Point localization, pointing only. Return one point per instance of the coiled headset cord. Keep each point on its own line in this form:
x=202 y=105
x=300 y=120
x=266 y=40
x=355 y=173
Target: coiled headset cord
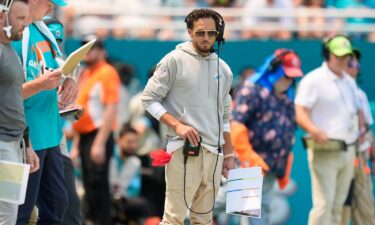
x=219 y=149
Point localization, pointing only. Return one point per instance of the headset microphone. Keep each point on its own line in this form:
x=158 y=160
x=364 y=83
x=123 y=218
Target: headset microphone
x=8 y=27
x=4 y=7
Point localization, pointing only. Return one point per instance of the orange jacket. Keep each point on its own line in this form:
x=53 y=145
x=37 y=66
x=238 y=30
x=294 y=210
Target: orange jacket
x=248 y=157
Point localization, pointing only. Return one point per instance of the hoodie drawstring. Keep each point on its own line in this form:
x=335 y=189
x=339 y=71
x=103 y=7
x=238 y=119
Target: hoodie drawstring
x=209 y=78
x=200 y=77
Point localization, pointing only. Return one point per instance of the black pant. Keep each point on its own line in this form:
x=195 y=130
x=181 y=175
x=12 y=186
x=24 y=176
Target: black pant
x=95 y=181
x=72 y=214
x=130 y=209
x=46 y=189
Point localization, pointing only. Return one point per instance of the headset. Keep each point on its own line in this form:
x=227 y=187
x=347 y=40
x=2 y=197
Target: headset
x=220 y=26
x=4 y=7
x=219 y=22
x=325 y=49
x=278 y=60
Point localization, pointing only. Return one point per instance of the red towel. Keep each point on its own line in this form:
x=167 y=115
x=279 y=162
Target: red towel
x=160 y=157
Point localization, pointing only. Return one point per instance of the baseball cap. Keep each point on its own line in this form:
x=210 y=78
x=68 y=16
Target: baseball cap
x=59 y=2
x=56 y=28
x=290 y=62
x=340 y=46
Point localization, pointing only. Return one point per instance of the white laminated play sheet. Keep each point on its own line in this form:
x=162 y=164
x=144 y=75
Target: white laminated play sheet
x=13 y=181
x=75 y=57
x=244 y=192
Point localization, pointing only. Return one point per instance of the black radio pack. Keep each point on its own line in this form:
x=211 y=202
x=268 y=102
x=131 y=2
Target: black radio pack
x=190 y=150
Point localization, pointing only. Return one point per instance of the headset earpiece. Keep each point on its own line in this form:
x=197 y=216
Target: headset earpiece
x=220 y=26
x=274 y=64
x=5 y=9
x=277 y=61
x=8 y=27
x=325 y=50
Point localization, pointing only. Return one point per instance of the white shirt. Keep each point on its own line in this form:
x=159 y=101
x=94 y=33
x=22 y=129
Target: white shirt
x=333 y=102
x=365 y=106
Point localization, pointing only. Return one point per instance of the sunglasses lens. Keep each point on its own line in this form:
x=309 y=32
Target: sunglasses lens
x=200 y=33
x=353 y=64
x=212 y=33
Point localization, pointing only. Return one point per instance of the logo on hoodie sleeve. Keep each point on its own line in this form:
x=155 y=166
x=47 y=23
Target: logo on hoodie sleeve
x=162 y=71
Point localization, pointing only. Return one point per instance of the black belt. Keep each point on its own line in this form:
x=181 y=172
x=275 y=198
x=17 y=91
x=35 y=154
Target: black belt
x=26 y=138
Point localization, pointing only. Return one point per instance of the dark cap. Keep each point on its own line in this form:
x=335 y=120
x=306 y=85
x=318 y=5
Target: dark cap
x=98 y=43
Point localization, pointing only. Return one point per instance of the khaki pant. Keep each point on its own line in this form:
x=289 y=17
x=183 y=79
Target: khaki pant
x=9 y=151
x=361 y=211
x=331 y=174
x=198 y=190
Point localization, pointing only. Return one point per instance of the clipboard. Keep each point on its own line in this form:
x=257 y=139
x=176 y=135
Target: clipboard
x=75 y=57
x=71 y=114
x=13 y=181
x=333 y=145
x=244 y=192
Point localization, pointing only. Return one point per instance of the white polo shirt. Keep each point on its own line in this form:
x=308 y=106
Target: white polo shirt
x=365 y=106
x=333 y=102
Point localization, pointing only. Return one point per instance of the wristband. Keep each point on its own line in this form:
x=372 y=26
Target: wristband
x=228 y=155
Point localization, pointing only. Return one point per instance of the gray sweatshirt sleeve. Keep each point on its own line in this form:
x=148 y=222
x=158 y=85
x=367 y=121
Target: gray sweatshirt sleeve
x=227 y=101
x=227 y=112
x=158 y=86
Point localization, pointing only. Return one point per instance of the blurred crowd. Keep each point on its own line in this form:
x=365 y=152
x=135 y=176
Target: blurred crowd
x=126 y=19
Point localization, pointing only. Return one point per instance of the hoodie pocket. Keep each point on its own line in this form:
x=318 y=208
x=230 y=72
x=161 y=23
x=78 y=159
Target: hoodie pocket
x=204 y=120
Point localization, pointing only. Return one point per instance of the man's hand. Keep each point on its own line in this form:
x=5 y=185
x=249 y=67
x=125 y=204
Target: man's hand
x=32 y=159
x=68 y=91
x=319 y=136
x=50 y=79
x=190 y=133
x=97 y=153
x=74 y=155
x=228 y=164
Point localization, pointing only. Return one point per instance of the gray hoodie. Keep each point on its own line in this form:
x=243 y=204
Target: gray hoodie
x=185 y=84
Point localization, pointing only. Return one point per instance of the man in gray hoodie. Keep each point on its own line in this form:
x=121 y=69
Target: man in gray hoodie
x=190 y=94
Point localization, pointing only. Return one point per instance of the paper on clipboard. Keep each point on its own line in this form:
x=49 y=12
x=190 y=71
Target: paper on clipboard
x=75 y=57
x=244 y=192
x=13 y=181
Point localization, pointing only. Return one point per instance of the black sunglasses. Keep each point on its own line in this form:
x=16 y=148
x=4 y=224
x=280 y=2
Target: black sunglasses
x=210 y=33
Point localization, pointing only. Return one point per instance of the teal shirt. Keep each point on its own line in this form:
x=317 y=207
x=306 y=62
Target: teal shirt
x=41 y=110
x=134 y=188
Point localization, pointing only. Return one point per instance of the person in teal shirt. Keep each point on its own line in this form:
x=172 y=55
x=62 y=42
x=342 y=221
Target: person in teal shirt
x=43 y=82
